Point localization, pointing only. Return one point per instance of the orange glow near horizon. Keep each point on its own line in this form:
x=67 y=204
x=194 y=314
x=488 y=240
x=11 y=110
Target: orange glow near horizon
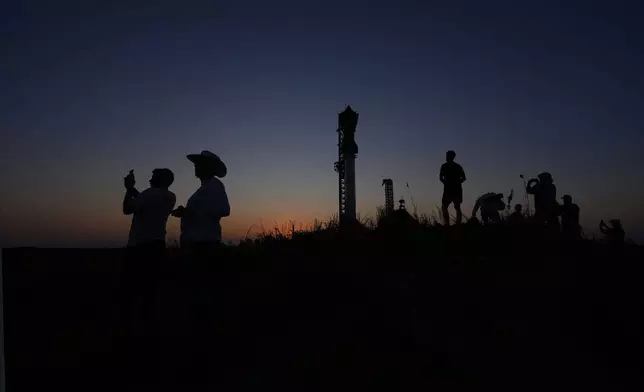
x=59 y=229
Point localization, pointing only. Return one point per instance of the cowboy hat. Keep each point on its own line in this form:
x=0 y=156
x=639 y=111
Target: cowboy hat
x=207 y=157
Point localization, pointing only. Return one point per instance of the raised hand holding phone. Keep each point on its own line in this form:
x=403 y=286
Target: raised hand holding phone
x=129 y=180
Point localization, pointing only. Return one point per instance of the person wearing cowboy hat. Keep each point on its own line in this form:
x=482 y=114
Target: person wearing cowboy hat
x=200 y=218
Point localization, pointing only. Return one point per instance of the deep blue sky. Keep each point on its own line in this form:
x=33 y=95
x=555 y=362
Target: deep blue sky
x=90 y=91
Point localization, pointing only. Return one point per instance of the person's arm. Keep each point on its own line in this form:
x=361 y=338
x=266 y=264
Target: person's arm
x=221 y=206
x=441 y=174
x=477 y=205
x=217 y=205
x=603 y=227
x=129 y=201
x=530 y=188
x=225 y=205
x=463 y=178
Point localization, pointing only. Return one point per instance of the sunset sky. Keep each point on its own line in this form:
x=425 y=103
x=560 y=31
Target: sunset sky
x=88 y=92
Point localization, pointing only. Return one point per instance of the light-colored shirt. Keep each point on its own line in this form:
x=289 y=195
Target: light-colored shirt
x=204 y=209
x=151 y=209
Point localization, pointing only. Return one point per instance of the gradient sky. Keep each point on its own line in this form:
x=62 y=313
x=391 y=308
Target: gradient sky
x=91 y=89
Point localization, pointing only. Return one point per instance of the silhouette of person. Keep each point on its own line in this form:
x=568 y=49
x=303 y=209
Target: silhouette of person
x=615 y=234
x=570 y=227
x=452 y=176
x=200 y=218
x=150 y=209
x=545 y=199
x=516 y=217
x=139 y=279
x=490 y=205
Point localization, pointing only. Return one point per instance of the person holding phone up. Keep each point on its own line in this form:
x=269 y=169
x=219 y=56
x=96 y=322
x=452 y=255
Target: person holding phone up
x=150 y=209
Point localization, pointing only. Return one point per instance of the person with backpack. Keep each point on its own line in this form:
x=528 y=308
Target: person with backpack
x=490 y=205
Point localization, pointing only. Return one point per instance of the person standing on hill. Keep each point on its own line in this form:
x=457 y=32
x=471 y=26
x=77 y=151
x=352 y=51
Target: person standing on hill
x=570 y=227
x=140 y=272
x=150 y=209
x=200 y=236
x=452 y=176
x=545 y=199
x=200 y=218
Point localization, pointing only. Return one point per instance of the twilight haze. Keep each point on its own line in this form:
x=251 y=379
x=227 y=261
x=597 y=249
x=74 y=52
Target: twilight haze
x=90 y=91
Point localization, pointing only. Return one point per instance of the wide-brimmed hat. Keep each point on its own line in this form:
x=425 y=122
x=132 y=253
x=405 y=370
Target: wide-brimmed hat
x=207 y=157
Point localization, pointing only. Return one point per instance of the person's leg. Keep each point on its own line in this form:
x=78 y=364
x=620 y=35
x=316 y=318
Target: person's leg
x=130 y=288
x=459 y=213
x=537 y=218
x=458 y=199
x=128 y=292
x=200 y=312
x=553 y=222
x=149 y=282
x=446 y=200
x=146 y=263
x=132 y=296
x=567 y=232
x=445 y=214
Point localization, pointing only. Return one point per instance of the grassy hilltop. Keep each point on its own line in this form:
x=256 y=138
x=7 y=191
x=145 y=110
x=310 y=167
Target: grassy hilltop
x=402 y=306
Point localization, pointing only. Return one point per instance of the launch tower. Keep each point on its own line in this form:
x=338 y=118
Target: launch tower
x=389 y=195
x=346 y=166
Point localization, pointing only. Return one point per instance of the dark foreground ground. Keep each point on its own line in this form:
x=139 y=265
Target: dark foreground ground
x=446 y=313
